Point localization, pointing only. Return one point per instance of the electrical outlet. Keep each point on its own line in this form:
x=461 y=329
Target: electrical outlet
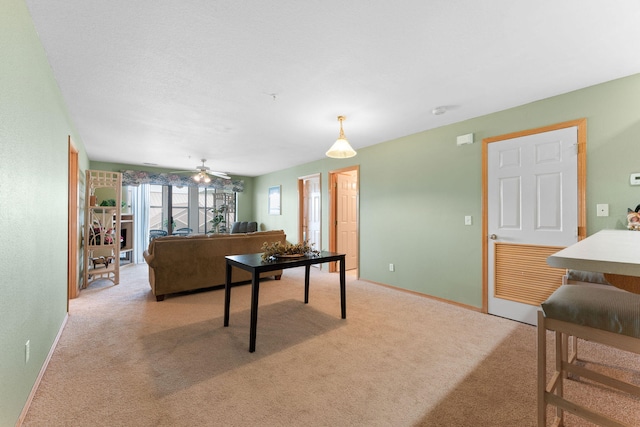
x=392 y=267
x=602 y=209
x=27 y=351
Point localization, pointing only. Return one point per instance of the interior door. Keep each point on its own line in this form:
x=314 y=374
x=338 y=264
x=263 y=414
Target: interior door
x=312 y=216
x=347 y=217
x=532 y=211
x=72 y=231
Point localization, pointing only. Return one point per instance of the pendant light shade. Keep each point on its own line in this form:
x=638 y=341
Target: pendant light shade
x=341 y=149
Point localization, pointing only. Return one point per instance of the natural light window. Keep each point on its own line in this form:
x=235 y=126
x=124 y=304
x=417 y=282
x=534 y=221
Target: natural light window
x=190 y=208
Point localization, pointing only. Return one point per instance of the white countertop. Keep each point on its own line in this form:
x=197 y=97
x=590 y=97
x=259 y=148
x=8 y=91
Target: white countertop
x=607 y=251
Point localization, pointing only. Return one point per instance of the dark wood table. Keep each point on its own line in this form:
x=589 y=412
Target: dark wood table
x=253 y=263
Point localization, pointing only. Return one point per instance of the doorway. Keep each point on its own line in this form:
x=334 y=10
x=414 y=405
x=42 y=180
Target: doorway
x=533 y=205
x=72 y=231
x=344 y=213
x=310 y=221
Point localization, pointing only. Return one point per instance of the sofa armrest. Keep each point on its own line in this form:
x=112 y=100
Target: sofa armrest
x=149 y=258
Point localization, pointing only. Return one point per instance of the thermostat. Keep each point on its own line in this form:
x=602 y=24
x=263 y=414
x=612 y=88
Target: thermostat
x=464 y=139
x=634 y=179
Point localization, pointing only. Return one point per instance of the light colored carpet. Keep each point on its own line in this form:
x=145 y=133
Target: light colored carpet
x=397 y=360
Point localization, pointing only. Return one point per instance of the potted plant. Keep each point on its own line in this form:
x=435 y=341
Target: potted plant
x=92 y=196
x=108 y=202
x=165 y=224
x=218 y=218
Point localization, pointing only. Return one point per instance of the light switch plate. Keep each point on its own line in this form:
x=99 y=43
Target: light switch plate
x=468 y=220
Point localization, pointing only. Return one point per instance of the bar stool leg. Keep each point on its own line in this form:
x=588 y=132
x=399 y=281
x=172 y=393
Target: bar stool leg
x=542 y=370
x=560 y=355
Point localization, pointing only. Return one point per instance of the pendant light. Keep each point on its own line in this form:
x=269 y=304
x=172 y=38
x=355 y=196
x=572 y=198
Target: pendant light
x=341 y=149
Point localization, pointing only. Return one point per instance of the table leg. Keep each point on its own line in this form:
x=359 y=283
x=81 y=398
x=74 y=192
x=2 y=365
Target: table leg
x=255 y=289
x=227 y=294
x=307 y=269
x=343 y=290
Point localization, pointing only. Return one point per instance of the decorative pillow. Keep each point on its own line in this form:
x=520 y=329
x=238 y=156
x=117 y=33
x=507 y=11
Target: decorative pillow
x=587 y=276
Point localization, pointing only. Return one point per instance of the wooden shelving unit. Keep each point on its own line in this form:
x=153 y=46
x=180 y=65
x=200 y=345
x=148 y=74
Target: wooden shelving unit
x=127 y=236
x=102 y=234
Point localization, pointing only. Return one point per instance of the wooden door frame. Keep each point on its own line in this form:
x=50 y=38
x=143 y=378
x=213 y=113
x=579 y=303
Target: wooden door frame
x=72 y=227
x=581 y=124
x=301 y=180
x=333 y=206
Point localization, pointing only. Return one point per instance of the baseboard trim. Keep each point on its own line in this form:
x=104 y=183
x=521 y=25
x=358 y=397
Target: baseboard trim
x=420 y=294
x=25 y=409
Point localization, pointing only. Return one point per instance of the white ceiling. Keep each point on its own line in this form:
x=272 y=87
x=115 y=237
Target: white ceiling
x=256 y=86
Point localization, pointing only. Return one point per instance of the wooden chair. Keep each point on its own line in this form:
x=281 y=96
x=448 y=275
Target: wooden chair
x=601 y=314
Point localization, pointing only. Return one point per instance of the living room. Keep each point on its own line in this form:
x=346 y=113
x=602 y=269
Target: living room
x=424 y=181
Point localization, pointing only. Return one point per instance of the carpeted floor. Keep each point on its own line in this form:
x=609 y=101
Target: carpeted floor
x=397 y=360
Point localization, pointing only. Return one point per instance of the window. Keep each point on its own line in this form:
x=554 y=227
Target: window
x=209 y=199
x=157 y=216
x=179 y=207
x=183 y=208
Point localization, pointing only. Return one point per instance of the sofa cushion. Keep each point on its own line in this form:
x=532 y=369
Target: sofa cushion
x=244 y=227
x=605 y=308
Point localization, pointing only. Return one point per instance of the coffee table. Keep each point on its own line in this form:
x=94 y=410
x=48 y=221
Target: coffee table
x=253 y=264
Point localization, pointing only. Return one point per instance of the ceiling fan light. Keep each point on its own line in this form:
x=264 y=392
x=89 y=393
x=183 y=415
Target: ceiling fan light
x=203 y=174
x=341 y=149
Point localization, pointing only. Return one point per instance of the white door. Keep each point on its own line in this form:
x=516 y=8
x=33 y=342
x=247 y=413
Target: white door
x=347 y=217
x=532 y=210
x=312 y=212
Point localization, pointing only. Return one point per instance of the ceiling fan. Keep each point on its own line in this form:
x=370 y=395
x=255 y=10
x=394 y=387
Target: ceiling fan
x=202 y=173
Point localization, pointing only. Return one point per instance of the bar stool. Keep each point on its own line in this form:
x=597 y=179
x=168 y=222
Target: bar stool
x=607 y=316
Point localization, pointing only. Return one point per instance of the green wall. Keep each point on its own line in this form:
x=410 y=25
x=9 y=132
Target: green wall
x=416 y=190
x=34 y=130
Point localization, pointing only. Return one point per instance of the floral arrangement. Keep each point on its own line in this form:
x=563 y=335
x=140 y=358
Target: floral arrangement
x=273 y=250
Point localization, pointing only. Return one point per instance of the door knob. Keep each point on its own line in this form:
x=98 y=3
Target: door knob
x=493 y=237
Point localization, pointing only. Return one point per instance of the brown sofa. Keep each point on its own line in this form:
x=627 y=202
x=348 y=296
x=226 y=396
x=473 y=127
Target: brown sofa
x=185 y=263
